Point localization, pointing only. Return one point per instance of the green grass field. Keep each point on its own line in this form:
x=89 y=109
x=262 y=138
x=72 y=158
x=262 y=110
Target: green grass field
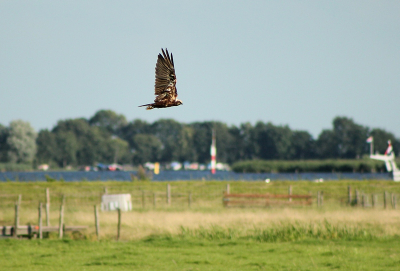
x=177 y=254
x=205 y=236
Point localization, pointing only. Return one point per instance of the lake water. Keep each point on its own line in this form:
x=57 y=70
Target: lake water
x=185 y=175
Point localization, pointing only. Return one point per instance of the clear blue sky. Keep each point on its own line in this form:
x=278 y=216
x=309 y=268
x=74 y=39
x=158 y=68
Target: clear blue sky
x=299 y=63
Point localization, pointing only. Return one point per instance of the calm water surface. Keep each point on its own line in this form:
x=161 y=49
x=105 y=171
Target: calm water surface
x=185 y=175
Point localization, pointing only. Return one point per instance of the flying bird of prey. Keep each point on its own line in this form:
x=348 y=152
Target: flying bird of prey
x=165 y=86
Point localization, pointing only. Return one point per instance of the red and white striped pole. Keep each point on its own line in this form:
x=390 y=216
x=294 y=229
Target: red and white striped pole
x=213 y=153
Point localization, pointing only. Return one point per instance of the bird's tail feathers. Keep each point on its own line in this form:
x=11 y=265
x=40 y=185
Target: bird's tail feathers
x=149 y=106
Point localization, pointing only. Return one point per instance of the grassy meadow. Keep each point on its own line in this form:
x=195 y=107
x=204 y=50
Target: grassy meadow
x=205 y=236
x=177 y=254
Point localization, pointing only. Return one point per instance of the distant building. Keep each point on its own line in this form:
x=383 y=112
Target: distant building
x=43 y=167
x=219 y=166
x=149 y=166
x=176 y=165
x=112 y=167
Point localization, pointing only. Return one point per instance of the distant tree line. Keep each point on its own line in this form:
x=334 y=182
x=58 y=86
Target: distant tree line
x=108 y=137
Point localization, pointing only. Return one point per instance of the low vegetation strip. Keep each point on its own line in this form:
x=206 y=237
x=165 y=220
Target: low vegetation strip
x=15 y=167
x=282 y=166
x=284 y=232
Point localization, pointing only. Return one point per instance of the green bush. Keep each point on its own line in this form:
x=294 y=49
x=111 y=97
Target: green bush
x=141 y=175
x=49 y=179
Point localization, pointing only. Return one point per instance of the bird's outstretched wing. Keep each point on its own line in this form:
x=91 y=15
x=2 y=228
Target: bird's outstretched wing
x=165 y=85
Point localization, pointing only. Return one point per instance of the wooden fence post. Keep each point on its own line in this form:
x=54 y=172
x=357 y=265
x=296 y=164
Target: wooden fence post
x=393 y=201
x=349 y=195
x=363 y=203
x=373 y=200
x=190 y=199
x=357 y=198
x=322 y=198
x=119 y=224
x=19 y=199
x=40 y=224
x=228 y=188
x=290 y=192
x=384 y=200
x=61 y=222
x=16 y=220
x=143 y=199
x=168 y=194
x=47 y=206
x=97 y=223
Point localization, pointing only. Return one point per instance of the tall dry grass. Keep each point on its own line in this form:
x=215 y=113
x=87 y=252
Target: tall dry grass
x=206 y=213
x=141 y=224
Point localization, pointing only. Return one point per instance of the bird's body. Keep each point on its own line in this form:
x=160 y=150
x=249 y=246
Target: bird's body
x=165 y=85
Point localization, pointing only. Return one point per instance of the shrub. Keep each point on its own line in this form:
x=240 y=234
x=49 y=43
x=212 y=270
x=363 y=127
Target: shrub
x=15 y=167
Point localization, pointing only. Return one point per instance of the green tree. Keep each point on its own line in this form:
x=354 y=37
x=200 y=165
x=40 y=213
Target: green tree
x=202 y=134
x=92 y=146
x=169 y=132
x=350 y=137
x=273 y=142
x=67 y=147
x=118 y=151
x=248 y=137
x=109 y=121
x=21 y=142
x=303 y=145
x=147 y=148
x=186 y=151
x=326 y=145
x=46 y=147
x=133 y=128
x=79 y=127
x=89 y=144
x=346 y=140
x=3 y=143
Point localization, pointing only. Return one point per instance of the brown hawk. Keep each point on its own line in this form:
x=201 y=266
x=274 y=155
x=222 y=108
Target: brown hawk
x=165 y=86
